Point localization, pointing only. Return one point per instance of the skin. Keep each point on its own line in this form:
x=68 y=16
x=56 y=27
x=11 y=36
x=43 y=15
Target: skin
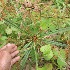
x=8 y=56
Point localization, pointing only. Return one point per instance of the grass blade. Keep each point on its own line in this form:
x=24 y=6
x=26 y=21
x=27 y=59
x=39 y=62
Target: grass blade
x=23 y=61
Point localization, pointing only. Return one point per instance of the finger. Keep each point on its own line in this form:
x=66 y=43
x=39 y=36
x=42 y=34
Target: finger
x=4 y=47
x=15 y=60
x=11 y=47
x=14 y=49
x=14 y=54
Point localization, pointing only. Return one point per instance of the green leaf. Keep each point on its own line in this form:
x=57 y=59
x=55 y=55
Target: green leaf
x=55 y=52
x=58 y=31
x=64 y=25
x=27 y=45
x=62 y=53
x=13 y=28
x=3 y=38
x=14 y=20
x=1 y=22
x=33 y=29
x=8 y=30
x=61 y=58
x=52 y=27
x=49 y=66
x=47 y=52
x=32 y=54
x=23 y=61
x=61 y=61
x=44 y=23
x=45 y=49
x=68 y=21
x=48 y=56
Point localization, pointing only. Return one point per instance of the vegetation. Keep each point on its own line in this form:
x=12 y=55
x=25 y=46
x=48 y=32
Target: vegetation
x=40 y=29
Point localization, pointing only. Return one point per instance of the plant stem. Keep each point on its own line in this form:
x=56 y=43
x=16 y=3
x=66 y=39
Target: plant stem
x=35 y=56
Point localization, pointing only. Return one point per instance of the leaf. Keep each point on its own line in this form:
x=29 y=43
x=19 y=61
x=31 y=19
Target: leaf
x=3 y=38
x=45 y=49
x=13 y=28
x=14 y=20
x=1 y=22
x=47 y=52
x=3 y=41
x=55 y=52
x=68 y=21
x=62 y=53
x=61 y=61
x=64 y=25
x=10 y=23
x=58 y=31
x=27 y=45
x=48 y=56
x=61 y=58
x=44 y=23
x=23 y=61
x=49 y=66
x=8 y=30
x=32 y=54
x=33 y=29
x=55 y=43
x=52 y=27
